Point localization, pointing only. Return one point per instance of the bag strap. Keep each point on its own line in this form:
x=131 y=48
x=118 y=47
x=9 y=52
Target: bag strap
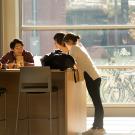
x=76 y=75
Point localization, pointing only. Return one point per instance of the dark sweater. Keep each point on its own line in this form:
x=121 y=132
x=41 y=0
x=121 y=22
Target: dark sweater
x=10 y=57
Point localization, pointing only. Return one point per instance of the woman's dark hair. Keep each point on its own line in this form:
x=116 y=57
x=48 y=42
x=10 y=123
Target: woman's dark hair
x=14 y=42
x=58 y=37
x=71 y=37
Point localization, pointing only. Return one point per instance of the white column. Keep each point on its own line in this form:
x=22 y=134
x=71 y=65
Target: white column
x=10 y=22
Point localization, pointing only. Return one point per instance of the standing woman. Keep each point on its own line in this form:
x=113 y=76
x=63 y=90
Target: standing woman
x=92 y=79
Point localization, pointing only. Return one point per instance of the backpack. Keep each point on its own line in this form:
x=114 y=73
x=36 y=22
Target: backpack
x=58 y=60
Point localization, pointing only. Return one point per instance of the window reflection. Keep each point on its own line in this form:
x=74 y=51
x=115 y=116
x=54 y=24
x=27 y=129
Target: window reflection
x=72 y=12
x=102 y=45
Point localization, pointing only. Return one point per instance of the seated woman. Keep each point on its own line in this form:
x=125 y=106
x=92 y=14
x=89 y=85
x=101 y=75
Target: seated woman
x=17 y=56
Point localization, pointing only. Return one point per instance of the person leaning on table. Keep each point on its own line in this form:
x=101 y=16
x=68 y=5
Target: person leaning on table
x=17 y=56
x=92 y=79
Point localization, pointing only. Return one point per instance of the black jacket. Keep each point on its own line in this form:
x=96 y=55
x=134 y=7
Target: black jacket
x=58 y=60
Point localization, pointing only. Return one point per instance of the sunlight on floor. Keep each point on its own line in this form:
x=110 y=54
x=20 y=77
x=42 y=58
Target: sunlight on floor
x=122 y=125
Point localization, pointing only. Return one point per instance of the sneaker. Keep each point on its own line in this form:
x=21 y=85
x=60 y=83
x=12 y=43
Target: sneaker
x=79 y=133
x=98 y=131
x=94 y=131
x=88 y=132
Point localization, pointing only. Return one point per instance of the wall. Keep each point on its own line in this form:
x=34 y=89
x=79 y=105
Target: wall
x=0 y=28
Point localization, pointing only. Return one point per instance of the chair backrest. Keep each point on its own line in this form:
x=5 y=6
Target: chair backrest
x=35 y=79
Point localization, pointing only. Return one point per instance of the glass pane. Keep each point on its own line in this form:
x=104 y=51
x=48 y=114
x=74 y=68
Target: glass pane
x=38 y=42
x=42 y=12
x=106 y=47
x=72 y=12
x=117 y=85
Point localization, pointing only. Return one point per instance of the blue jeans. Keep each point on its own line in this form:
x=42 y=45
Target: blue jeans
x=93 y=87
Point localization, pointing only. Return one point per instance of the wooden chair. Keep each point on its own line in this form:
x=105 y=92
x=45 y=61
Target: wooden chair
x=35 y=80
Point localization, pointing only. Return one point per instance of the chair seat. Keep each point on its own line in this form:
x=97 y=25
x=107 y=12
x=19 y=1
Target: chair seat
x=2 y=90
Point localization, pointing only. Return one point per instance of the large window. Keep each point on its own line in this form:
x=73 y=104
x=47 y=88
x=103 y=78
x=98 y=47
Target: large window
x=94 y=20
x=107 y=30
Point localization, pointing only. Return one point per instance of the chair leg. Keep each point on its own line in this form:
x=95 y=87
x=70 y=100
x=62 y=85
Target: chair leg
x=17 y=113
x=3 y=92
x=5 y=110
x=28 y=112
x=50 y=119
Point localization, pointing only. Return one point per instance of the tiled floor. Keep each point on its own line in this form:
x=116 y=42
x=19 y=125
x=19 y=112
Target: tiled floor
x=116 y=125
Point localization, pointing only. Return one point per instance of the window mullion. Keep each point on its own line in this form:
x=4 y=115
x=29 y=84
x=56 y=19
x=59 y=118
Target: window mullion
x=76 y=27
